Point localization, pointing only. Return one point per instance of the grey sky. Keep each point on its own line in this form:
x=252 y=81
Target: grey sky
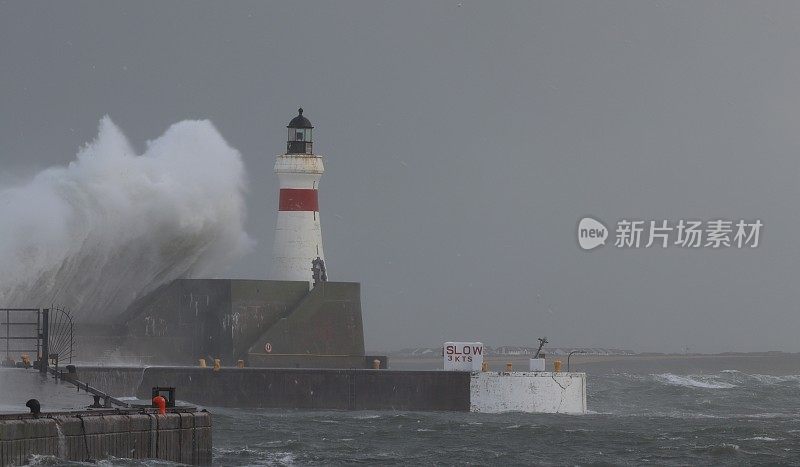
x=463 y=143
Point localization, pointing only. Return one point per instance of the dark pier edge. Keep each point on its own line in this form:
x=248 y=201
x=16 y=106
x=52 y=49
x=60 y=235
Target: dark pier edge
x=295 y=388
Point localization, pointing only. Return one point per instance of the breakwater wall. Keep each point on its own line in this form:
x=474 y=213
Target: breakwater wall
x=182 y=436
x=341 y=389
x=352 y=389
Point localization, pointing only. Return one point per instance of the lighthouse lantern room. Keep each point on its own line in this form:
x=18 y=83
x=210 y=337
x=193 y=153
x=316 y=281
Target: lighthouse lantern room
x=300 y=140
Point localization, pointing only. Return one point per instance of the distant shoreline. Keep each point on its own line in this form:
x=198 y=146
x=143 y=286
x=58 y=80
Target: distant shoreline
x=779 y=363
x=399 y=355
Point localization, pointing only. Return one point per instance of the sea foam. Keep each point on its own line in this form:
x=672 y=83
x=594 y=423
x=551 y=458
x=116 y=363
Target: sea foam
x=692 y=381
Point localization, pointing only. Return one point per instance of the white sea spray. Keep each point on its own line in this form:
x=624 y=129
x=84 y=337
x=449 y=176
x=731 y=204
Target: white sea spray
x=114 y=225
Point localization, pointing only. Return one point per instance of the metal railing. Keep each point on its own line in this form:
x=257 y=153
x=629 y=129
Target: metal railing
x=42 y=333
x=23 y=331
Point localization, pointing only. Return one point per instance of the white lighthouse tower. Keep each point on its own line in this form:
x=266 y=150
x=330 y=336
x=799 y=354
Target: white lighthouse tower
x=298 y=234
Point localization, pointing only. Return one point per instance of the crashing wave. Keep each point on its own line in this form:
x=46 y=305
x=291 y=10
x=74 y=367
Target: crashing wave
x=114 y=225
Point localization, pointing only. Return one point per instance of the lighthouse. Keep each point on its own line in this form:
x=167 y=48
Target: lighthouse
x=297 y=251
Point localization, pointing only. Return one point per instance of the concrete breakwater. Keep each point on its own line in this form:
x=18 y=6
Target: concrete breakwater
x=351 y=389
x=342 y=389
x=182 y=436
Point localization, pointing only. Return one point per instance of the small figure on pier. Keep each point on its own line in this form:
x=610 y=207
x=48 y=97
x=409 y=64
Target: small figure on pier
x=35 y=407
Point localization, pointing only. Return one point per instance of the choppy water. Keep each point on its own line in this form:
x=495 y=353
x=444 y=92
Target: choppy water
x=664 y=418
x=724 y=416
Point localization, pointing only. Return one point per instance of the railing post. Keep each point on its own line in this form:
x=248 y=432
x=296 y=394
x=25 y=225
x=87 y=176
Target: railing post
x=45 y=338
x=8 y=334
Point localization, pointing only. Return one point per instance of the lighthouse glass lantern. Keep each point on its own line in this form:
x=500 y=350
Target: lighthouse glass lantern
x=300 y=140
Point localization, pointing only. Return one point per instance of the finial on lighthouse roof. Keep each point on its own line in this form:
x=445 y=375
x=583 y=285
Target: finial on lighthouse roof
x=299 y=121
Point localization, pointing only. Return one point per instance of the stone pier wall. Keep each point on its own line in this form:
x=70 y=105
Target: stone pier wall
x=349 y=389
x=299 y=388
x=183 y=437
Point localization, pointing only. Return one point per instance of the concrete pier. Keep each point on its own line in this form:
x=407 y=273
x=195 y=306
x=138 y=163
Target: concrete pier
x=182 y=436
x=350 y=389
x=533 y=392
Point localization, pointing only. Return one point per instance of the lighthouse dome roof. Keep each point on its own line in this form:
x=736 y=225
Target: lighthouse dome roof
x=299 y=121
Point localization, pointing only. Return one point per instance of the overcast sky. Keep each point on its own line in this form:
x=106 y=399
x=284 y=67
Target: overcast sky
x=463 y=141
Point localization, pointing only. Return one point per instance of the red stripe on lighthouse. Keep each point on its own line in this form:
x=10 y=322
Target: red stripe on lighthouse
x=294 y=199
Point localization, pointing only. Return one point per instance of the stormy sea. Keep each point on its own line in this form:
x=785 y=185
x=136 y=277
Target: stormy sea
x=665 y=411
x=662 y=418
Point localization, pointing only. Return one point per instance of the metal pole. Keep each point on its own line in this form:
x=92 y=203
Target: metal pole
x=45 y=337
x=38 y=332
x=570 y=356
x=8 y=334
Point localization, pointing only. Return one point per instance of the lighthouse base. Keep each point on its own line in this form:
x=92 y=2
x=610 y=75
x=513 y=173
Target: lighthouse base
x=261 y=323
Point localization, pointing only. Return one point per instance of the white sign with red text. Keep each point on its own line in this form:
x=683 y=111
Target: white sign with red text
x=463 y=356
